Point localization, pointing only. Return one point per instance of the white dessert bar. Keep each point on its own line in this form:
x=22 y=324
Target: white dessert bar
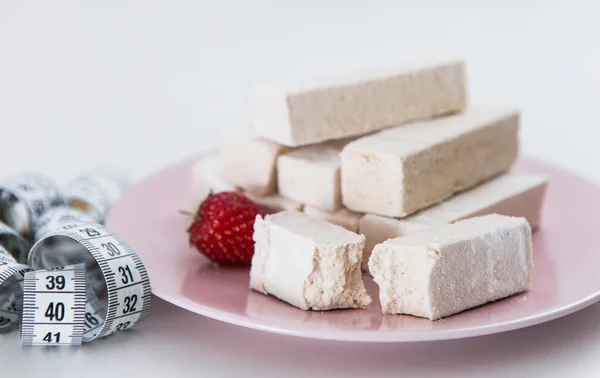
x=440 y=272
x=206 y=178
x=342 y=217
x=358 y=104
x=311 y=175
x=399 y=171
x=514 y=194
x=309 y=263
x=250 y=163
x=275 y=203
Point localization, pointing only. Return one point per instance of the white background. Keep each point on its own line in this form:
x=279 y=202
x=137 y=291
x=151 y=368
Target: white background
x=142 y=84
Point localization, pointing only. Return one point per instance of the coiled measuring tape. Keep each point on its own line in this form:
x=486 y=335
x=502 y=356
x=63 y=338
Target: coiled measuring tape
x=24 y=198
x=96 y=191
x=55 y=218
x=11 y=290
x=13 y=244
x=118 y=287
x=82 y=282
x=13 y=248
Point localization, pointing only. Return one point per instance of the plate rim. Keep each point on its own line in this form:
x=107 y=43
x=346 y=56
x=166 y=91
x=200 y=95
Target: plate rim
x=388 y=336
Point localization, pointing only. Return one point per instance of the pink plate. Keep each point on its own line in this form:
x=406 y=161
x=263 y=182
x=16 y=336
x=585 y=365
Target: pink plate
x=565 y=276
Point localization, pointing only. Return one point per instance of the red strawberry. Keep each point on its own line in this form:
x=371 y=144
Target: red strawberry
x=223 y=226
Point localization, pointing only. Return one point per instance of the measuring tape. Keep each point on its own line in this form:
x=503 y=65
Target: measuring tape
x=54 y=304
x=11 y=242
x=5 y=255
x=81 y=281
x=95 y=192
x=11 y=277
x=11 y=290
x=55 y=218
x=24 y=198
x=118 y=288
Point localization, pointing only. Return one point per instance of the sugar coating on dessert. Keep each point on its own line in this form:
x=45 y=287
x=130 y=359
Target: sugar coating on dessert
x=342 y=217
x=311 y=175
x=514 y=194
x=439 y=272
x=358 y=104
x=309 y=263
x=250 y=163
x=399 y=171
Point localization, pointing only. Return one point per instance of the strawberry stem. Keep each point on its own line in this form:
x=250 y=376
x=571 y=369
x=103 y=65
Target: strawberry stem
x=195 y=218
x=188 y=213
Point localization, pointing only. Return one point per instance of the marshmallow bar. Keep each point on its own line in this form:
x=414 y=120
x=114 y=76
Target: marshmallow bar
x=275 y=203
x=249 y=163
x=342 y=217
x=440 y=272
x=514 y=194
x=399 y=171
x=358 y=104
x=309 y=263
x=206 y=178
x=311 y=175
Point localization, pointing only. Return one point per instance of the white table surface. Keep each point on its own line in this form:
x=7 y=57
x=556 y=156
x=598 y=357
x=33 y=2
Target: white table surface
x=151 y=82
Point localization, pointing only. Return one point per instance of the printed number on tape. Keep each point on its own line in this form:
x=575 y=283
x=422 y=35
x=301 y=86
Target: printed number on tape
x=54 y=303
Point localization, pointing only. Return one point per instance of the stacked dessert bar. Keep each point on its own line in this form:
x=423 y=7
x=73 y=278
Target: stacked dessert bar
x=386 y=155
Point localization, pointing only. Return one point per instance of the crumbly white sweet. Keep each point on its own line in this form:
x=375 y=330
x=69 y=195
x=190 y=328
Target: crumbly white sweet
x=514 y=194
x=442 y=271
x=309 y=263
x=311 y=175
x=358 y=104
x=401 y=170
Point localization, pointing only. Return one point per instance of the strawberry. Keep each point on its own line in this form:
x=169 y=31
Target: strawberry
x=223 y=226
